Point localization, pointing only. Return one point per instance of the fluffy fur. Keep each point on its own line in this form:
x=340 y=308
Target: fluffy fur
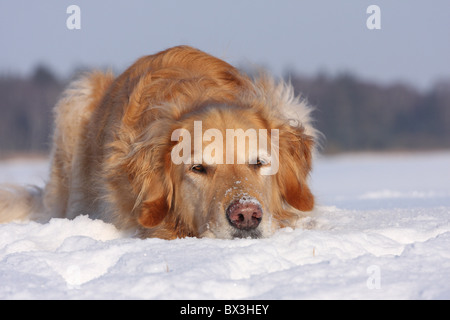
x=112 y=146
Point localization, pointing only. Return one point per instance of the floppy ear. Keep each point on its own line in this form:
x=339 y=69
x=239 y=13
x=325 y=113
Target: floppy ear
x=145 y=183
x=154 y=210
x=297 y=194
x=295 y=165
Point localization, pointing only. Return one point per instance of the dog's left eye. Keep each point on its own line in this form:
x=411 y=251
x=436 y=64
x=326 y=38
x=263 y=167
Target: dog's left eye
x=260 y=162
x=198 y=168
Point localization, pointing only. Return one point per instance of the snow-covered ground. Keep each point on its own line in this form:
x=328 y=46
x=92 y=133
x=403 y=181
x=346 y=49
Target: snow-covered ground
x=382 y=231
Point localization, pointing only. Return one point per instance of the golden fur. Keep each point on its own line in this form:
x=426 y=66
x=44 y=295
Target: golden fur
x=112 y=146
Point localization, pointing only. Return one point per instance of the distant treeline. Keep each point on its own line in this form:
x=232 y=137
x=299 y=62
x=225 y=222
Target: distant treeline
x=357 y=115
x=353 y=115
x=26 y=111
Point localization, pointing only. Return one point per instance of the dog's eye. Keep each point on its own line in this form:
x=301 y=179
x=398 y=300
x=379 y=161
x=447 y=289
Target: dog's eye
x=198 y=168
x=260 y=162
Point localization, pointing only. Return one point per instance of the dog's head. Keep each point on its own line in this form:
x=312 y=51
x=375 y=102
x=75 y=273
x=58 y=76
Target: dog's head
x=214 y=157
x=227 y=172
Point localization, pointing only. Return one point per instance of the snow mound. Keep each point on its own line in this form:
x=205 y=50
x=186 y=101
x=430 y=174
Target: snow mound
x=363 y=246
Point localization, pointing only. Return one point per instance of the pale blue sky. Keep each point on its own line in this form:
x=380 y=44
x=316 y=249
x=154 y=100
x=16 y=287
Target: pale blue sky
x=413 y=44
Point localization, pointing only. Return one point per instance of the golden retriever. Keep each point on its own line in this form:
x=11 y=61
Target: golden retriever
x=116 y=140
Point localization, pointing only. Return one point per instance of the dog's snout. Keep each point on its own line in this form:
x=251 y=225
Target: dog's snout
x=244 y=215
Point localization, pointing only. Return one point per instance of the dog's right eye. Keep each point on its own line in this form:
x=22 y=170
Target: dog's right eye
x=198 y=168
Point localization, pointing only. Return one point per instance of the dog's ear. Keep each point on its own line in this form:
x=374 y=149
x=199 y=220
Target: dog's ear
x=147 y=166
x=297 y=194
x=295 y=164
x=153 y=212
x=155 y=208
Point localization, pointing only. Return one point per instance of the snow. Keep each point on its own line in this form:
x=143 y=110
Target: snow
x=381 y=231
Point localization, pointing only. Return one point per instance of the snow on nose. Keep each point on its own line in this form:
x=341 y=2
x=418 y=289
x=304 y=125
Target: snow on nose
x=244 y=214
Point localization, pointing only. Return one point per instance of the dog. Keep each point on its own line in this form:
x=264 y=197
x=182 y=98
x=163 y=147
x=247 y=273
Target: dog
x=151 y=152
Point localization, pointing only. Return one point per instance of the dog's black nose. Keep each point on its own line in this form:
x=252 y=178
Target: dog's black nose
x=244 y=215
